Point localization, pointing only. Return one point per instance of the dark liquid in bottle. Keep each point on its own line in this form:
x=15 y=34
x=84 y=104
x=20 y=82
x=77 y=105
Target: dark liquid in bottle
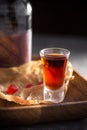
x=15 y=49
x=54 y=67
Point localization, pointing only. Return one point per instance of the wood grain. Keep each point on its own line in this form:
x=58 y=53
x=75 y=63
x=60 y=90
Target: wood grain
x=73 y=107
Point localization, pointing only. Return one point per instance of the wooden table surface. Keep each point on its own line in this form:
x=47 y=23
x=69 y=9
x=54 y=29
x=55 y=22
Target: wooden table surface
x=78 y=48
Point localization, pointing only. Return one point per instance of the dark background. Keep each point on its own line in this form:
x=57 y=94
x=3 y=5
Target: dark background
x=59 y=17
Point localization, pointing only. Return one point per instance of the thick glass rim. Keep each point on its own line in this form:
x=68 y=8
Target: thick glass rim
x=43 y=51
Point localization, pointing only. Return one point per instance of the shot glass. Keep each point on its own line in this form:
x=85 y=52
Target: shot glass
x=54 y=62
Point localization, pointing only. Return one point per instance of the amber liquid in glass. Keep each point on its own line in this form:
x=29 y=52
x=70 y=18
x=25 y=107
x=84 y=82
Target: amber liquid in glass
x=54 y=66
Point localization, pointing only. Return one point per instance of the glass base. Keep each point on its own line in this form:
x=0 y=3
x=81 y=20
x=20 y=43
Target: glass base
x=55 y=96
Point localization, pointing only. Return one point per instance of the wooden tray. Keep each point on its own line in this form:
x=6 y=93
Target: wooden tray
x=73 y=107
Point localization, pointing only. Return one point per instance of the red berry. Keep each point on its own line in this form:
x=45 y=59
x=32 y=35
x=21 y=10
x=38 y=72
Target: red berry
x=40 y=83
x=29 y=85
x=12 y=89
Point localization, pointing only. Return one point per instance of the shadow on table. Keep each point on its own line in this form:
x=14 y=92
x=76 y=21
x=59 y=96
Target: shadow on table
x=80 y=124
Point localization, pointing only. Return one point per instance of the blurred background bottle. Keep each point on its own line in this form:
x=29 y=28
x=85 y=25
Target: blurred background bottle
x=15 y=32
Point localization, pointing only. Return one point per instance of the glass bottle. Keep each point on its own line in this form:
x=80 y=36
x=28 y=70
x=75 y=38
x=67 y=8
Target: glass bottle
x=15 y=32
